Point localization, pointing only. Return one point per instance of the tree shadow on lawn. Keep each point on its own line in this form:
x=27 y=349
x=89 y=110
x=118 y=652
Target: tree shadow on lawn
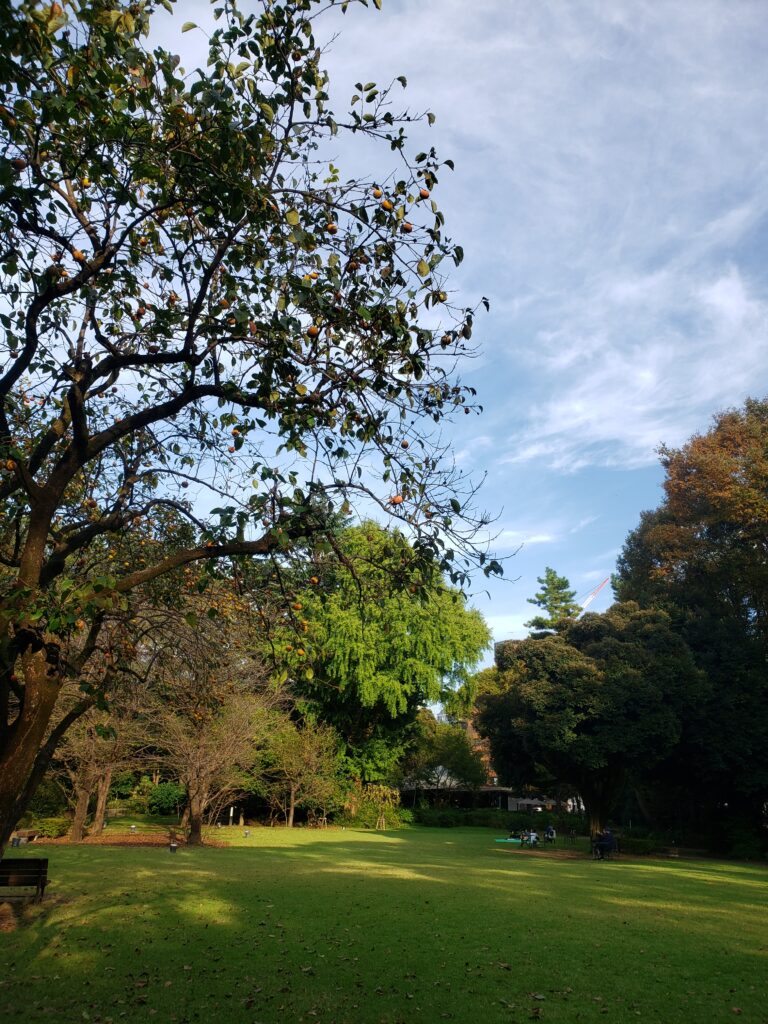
x=381 y=929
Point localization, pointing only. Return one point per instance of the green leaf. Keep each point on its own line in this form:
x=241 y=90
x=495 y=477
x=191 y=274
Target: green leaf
x=188 y=26
x=455 y=506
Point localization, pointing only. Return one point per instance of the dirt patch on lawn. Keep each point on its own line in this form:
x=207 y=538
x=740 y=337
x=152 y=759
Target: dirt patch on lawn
x=124 y=839
x=7 y=917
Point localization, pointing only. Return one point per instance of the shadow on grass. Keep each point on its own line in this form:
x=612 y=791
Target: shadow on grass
x=359 y=927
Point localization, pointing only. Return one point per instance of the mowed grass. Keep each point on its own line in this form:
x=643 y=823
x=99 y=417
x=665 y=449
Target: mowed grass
x=414 y=926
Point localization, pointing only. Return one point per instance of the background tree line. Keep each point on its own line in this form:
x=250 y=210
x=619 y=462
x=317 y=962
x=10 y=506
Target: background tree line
x=217 y=699
x=658 y=707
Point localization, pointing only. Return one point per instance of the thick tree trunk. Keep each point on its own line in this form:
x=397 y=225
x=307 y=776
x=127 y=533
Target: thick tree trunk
x=81 y=813
x=102 y=796
x=600 y=795
x=42 y=761
x=291 y=807
x=24 y=740
x=195 y=821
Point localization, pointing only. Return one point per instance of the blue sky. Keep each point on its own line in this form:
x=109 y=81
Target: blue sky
x=611 y=195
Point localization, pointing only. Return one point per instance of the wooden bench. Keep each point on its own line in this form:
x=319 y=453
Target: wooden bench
x=25 y=871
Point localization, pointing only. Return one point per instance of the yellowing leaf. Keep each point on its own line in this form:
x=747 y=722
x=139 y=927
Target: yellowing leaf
x=422 y=268
x=292 y=217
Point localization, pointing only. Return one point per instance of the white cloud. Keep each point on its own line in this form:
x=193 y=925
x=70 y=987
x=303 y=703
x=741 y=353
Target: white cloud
x=610 y=176
x=610 y=186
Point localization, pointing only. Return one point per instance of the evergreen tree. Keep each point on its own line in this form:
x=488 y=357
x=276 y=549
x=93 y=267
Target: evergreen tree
x=556 y=599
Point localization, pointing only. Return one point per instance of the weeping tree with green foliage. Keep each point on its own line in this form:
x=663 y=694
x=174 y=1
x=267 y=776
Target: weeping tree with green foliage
x=375 y=652
x=195 y=299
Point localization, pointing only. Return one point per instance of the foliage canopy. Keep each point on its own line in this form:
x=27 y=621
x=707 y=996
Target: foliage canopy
x=194 y=297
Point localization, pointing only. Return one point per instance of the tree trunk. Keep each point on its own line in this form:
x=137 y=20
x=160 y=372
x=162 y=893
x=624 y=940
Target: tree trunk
x=81 y=813
x=195 y=821
x=24 y=740
x=600 y=795
x=291 y=807
x=102 y=796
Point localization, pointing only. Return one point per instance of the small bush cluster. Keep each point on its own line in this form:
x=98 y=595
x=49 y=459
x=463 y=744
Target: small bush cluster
x=367 y=814
x=52 y=828
x=165 y=798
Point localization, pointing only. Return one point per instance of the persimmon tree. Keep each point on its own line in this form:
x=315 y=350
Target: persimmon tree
x=198 y=305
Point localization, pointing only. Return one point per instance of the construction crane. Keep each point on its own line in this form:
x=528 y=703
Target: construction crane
x=591 y=596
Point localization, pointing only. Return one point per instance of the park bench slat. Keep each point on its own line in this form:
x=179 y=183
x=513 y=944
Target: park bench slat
x=25 y=871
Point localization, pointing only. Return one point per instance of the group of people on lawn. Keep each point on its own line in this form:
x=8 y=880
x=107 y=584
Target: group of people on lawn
x=530 y=837
x=603 y=843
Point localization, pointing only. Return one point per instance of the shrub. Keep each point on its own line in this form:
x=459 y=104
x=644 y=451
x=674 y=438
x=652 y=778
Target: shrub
x=122 y=786
x=165 y=798
x=440 y=817
x=492 y=817
x=52 y=828
x=634 y=844
x=365 y=815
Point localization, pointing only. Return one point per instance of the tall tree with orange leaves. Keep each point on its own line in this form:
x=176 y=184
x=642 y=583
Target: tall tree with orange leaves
x=703 y=555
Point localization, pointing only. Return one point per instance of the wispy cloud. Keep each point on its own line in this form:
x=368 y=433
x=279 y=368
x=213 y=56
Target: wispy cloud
x=611 y=174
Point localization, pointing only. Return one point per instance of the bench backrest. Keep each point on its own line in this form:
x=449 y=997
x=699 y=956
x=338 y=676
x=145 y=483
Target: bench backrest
x=23 y=870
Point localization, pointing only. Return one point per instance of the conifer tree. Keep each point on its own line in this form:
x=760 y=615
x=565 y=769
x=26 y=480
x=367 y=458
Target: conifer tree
x=557 y=600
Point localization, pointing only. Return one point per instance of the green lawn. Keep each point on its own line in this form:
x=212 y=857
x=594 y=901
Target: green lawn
x=351 y=927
